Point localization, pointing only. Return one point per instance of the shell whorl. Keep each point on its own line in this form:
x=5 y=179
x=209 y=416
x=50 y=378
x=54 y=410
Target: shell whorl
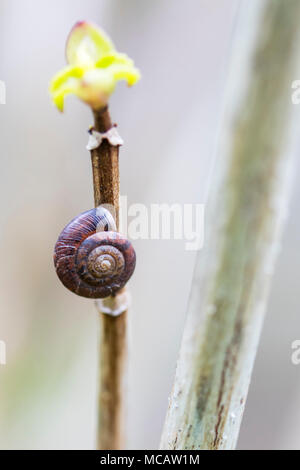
x=91 y=259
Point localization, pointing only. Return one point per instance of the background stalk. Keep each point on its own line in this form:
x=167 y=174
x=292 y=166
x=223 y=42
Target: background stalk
x=244 y=220
x=113 y=336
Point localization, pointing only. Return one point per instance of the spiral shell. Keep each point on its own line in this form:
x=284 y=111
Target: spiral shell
x=93 y=263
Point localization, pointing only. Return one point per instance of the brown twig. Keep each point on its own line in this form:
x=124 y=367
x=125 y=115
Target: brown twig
x=113 y=338
x=105 y=163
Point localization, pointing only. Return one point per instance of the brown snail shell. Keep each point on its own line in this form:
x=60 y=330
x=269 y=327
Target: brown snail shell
x=93 y=263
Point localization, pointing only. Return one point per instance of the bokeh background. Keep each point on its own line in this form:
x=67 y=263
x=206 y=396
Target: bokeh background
x=169 y=122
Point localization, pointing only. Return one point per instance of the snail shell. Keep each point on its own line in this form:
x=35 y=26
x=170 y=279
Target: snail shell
x=91 y=259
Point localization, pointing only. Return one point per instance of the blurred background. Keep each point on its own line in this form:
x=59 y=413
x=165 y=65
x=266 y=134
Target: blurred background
x=169 y=123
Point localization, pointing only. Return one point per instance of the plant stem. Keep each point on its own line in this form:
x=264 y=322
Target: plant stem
x=105 y=164
x=113 y=352
x=244 y=220
x=113 y=338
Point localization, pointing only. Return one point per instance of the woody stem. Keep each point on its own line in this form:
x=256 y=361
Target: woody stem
x=113 y=335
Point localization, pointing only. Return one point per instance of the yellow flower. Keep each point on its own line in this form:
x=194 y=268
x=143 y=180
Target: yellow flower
x=94 y=68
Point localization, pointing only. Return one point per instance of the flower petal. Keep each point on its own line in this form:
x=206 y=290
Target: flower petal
x=87 y=44
x=120 y=67
x=65 y=82
x=60 y=78
x=114 y=58
x=129 y=73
